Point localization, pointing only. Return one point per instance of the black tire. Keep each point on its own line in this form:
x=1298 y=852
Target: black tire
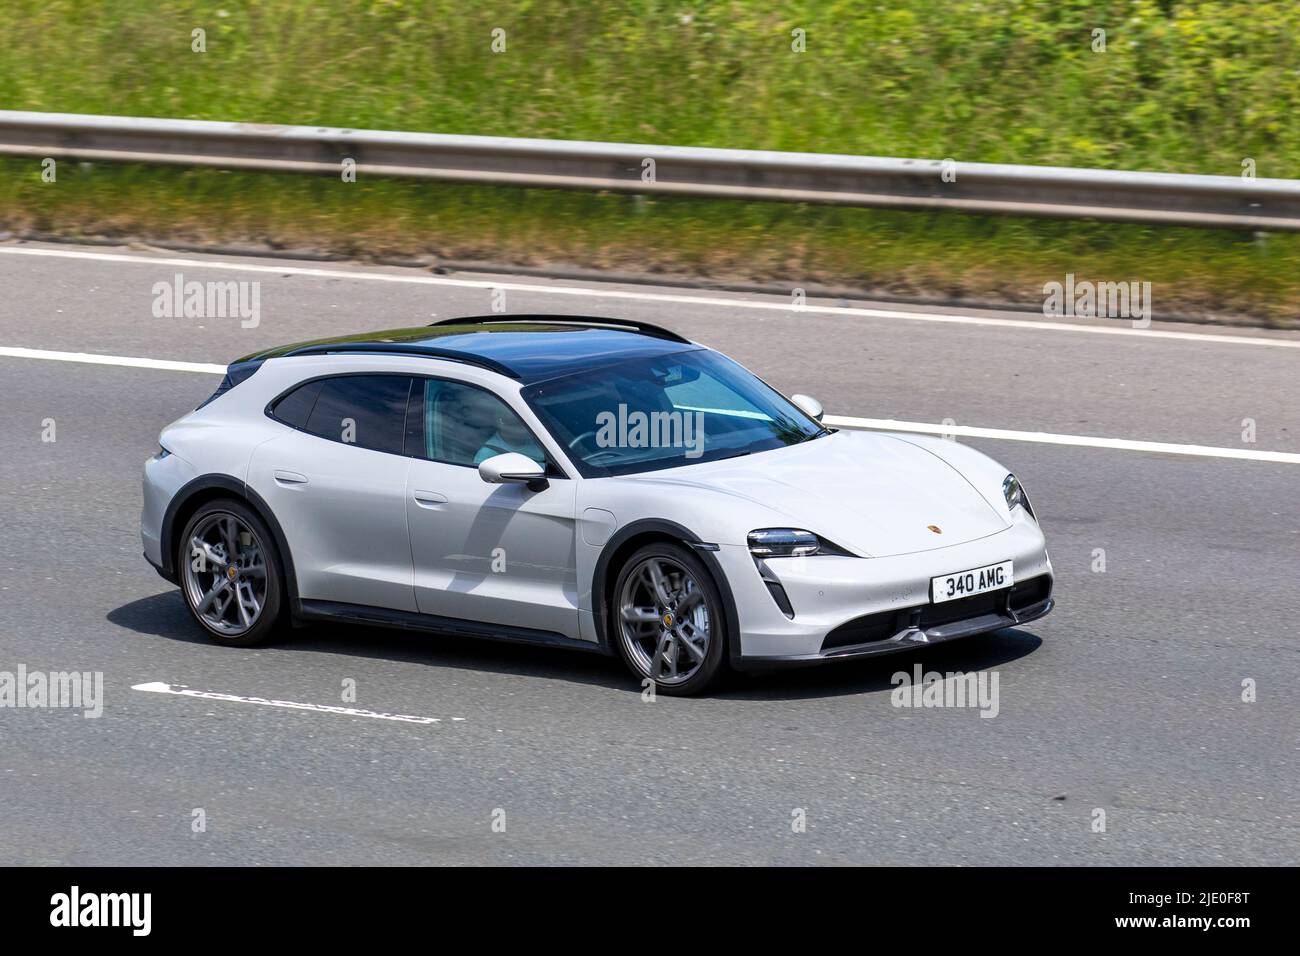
x=273 y=601
x=713 y=665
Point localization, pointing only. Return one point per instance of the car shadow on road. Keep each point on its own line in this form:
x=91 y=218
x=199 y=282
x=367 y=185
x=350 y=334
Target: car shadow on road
x=165 y=615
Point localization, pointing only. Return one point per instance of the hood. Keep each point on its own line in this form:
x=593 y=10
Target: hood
x=872 y=493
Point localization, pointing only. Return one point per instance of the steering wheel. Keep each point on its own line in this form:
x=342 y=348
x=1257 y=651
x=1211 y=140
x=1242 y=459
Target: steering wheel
x=590 y=433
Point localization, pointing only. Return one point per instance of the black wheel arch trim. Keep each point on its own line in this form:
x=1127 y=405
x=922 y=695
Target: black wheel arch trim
x=241 y=489
x=702 y=549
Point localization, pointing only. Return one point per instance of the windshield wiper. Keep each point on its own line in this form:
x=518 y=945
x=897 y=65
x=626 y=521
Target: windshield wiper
x=739 y=454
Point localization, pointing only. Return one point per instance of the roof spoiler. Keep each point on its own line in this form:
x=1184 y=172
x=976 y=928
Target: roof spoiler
x=630 y=325
x=236 y=372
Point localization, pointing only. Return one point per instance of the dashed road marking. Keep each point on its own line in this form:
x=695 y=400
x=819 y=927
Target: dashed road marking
x=159 y=687
x=1047 y=438
x=841 y=421
x=90 y=358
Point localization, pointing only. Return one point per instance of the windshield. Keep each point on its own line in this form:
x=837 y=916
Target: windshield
x=663 y=412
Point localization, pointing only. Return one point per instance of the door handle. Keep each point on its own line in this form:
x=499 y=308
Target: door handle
x=429 y=499
x=289 y=478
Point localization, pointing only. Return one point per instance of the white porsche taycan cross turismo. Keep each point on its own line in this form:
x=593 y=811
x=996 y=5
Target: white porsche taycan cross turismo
x=583 y=483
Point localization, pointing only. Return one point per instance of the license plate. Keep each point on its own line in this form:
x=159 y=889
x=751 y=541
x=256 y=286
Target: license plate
x=950 y=587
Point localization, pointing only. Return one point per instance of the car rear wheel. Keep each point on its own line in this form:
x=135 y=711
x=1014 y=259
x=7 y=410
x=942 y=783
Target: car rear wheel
x=230 y=573
x=667 y=619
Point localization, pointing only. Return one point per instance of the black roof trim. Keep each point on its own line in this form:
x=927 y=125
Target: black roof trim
x=630 y=325
x=401 y=348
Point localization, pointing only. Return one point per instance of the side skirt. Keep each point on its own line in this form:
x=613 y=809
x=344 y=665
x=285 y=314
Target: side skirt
x=433 y=624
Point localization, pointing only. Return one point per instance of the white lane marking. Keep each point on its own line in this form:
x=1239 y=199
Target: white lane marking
x=90 y=358
x=883 y=424
x=159 y=687
x=1046 y=438
x=678 y=299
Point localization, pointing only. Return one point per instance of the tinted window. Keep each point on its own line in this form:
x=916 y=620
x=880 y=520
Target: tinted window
x=463 y=425
x=366 y=410
x=294 y=408
x=664 y=412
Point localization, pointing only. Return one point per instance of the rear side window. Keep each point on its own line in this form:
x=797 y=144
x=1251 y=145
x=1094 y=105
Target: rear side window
x=364 y=410
x=294 y=408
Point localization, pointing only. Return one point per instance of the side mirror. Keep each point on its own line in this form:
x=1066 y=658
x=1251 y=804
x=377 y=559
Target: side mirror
x=809 y=406
x=513 y=467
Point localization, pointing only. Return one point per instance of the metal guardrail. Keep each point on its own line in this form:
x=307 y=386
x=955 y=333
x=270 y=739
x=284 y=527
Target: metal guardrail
x=908 y=184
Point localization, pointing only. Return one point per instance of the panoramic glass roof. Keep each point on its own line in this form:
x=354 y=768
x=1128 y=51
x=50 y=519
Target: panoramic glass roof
x=531 y=352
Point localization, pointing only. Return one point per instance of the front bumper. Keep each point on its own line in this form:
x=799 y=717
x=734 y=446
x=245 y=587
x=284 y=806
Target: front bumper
x=850 y=607
x=909 y=637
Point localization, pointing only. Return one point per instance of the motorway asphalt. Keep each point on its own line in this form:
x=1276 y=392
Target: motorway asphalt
x=1127 y=698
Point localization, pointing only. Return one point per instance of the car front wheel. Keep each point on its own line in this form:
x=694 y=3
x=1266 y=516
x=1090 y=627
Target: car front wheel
x=667 y=619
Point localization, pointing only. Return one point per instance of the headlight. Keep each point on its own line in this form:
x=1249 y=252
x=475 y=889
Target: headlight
x=782 y=543
x=162 y=453
x=1015 y=495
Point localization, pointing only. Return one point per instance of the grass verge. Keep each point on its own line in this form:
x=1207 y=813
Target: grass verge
x=1222 y=276
x=1176 y=85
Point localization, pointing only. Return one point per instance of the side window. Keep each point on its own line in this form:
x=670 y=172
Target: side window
x=295 y=407
x=364 y=410
x=463 y=425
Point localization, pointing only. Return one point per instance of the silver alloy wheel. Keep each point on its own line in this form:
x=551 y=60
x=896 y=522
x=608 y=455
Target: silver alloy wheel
x=225 y=574
x=664 y=620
